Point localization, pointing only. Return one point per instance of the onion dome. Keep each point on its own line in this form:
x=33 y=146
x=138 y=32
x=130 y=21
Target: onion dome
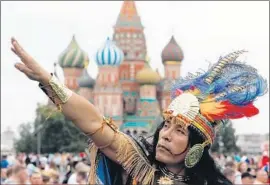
x=109 y=54
x=147 y=76
x=73 y=56
x=172 y=52
x=86 y=80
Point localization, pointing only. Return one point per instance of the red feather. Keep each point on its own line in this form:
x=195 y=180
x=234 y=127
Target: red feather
x=231 y=111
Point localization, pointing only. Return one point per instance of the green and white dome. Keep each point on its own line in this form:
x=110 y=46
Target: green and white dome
x=73 y=56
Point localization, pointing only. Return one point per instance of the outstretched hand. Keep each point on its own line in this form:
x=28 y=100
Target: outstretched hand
x=29 y=66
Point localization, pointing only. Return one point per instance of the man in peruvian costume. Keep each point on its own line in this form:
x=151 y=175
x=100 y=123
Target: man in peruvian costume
x=179 y=149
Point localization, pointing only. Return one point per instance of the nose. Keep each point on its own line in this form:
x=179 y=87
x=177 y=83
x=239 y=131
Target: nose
x=167 y=134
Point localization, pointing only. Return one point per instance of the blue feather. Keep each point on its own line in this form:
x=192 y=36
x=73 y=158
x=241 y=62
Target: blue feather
x=234 y=74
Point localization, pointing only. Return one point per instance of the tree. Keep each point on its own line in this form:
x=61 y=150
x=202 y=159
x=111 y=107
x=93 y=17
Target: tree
x=225 y=141
x=58 y=134
x=27 y=142
x=229 y=139
x=216 y=144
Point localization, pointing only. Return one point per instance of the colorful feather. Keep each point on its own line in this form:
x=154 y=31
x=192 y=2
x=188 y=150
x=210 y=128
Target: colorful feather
x=215 y=111
x=233 y=104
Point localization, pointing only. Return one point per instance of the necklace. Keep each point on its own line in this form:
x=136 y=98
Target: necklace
x=169 y=178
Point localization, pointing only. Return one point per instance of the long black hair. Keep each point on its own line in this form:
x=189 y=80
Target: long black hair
x=205 y=172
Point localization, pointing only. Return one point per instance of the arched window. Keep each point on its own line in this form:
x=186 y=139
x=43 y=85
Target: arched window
x=143 y=133
x=128 y=132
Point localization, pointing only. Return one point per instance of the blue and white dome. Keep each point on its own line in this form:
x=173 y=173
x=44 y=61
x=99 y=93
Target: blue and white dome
x=109 y=54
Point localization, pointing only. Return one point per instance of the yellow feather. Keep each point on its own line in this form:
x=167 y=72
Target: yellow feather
x=210 y=107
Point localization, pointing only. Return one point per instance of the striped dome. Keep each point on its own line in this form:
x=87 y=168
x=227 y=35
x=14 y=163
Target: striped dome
x=109 y=54
x=73 y=56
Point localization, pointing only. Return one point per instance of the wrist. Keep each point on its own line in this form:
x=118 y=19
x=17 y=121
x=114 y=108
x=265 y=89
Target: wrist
x=45 y=79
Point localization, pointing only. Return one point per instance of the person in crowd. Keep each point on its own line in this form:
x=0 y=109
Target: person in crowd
x=4 y=161
x=46 y=178
x=19 y=175
x=229 y=173
x=242 y=167
x=231 y=164
x=3 y=175
x=81 y=177
x=261 y=177
x=36 y=178
x=247 y=178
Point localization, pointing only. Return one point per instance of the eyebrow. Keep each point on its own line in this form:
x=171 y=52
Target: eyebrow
x=182 y=128
x=167 y=121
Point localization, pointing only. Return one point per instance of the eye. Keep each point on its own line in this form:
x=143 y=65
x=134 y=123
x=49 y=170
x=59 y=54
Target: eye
x=181 y=131
x=166 y=124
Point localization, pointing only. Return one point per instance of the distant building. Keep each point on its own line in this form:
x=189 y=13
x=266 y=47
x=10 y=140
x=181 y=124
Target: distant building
x=252 y=143
x=7 y=141
x=126 y=88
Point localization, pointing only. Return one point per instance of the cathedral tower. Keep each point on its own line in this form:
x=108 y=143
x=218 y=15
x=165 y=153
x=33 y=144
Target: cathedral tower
x=72 y=60
x=108 y=91
x=129 y=36
x=172 y=56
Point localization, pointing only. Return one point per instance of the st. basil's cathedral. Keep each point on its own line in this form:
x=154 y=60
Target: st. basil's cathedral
x=126 y=88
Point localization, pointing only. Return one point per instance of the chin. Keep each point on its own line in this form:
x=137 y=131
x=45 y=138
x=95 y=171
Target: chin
x=161 y=157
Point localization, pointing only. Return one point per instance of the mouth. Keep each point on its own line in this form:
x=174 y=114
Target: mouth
x=162 y=147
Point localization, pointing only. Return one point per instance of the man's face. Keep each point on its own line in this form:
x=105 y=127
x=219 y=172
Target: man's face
x=36 y=178
x=252 y=172
x=231 y=178
x=79 y=178
x=262 y=176
x=3 y=173
x=247 y=180
x=243 y=167
x=23 y=175
x=172 y=143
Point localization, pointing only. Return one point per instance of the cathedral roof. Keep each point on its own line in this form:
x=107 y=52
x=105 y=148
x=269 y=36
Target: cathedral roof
x=147 y=76
x=86 y=80
x=128 y=17
x=73 y=56
x=109 y=54
x=172 y=52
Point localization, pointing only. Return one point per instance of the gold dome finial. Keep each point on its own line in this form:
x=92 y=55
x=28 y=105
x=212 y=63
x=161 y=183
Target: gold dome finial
x=85 y=64
x=147 y=59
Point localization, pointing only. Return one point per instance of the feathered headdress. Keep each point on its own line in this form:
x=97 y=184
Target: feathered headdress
x=226 y=91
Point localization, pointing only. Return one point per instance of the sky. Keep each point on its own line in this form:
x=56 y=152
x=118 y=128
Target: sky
x=204 y=30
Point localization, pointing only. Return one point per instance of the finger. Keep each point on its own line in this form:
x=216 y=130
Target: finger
x=23 y=68
x=17 y=48
x=20 y=52
x=14 y=51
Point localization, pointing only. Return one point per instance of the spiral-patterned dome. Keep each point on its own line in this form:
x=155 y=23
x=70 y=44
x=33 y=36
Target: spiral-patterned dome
x=109 y=54
x=172 y=52
x=147 y=76
x=86 y=80
x=73 y=56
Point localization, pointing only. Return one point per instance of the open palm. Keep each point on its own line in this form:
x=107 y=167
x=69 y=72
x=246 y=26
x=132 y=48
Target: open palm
x=29 y=66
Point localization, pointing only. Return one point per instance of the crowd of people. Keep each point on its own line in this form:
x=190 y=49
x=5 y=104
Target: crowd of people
x=44 y=169
x=244 y=170
x=69 y=168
